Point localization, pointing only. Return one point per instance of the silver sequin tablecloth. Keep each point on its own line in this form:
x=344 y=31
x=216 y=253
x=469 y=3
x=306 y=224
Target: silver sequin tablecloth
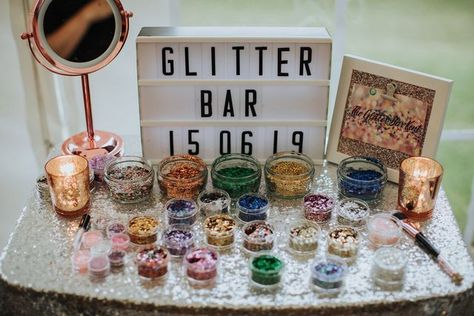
x=37 y=277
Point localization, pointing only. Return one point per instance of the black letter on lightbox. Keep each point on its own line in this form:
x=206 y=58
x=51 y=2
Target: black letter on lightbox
x=164 y=61
x=206 y=103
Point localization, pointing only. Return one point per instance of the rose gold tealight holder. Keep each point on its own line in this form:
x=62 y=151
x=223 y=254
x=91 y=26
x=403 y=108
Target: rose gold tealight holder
x=68 y=180
x=420 y=179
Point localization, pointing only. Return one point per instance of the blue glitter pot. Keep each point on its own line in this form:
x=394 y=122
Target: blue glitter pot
x=362 y=178
x=328 y=275
x=181 y=211
x=252 y=207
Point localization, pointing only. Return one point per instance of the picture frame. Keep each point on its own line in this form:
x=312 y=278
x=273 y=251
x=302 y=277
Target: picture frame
x=386 y=112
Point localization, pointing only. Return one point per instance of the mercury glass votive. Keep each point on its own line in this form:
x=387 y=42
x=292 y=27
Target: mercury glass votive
x=200 y=265
x=362 y=178
x=343 y=241
x=266 y=271
x=252 y=207
x=303 y=237
x=258 y=236
x=68 y=180
x=352 y=212
x=182 y=176
x=236 y=174
x=220 y=230
x=129 y=179
x=328 y=275
x=418 y=186
x=288 y=175
x=383 y=230
x=214 y=201
x=388 y=268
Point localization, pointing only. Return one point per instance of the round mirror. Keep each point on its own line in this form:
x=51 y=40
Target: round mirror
x=76 y=37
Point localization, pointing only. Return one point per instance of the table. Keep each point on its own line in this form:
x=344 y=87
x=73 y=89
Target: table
x=37 y=277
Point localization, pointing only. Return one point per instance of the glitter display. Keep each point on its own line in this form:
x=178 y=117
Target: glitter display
x=182 y=176
x=258 y=236
x=178 y=239
x=288 y=175
x=142 y=230
x=252 y=206
x=383 y=230
x=303 y=237
x=388 y=269
x=362 y=178
x=181 y=211
x=219 y=230
x=352 y=212
x=236 y=174
x=152 y=263
x=213 y=202
x=318 y=207
x=343 y=241
x=201 y=266
x=327 y=275
x=129 y=179
x=266 y=270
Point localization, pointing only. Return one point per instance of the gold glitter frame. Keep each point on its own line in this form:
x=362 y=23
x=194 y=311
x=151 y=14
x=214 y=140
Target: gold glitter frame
x=433 y=91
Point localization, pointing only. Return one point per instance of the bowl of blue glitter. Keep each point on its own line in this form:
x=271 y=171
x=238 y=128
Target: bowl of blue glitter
x=181 y=211
x=362 y=178
x=252 y=207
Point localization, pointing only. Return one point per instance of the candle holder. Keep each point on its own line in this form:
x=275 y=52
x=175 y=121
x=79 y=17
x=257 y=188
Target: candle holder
x=420 y=179
x=68 y=180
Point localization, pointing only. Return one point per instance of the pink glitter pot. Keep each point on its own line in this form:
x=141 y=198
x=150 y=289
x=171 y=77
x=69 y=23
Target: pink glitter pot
x=91 y=238
x=97 y=164
x=99 y=267
x=117 y=258
x=115 y=228
x=384 y=230
x=318 y=207
x=120 y=242
x=80 y=259
x=152 y=263
x=201 y=266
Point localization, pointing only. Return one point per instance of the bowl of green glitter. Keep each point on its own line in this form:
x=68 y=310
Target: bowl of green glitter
x=236 y=174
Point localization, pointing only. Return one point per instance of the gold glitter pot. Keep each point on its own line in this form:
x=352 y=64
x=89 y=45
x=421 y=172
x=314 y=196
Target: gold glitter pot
x=143 y=229
x=343 y=241
x=288 y=175
x=182 y=176
x=303 y=237
x=220 y=230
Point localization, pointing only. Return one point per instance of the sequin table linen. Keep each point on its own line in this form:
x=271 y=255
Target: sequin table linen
x=37 y=277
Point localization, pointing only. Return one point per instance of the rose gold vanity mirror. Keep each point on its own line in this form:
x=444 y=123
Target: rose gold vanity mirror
x=76 y=38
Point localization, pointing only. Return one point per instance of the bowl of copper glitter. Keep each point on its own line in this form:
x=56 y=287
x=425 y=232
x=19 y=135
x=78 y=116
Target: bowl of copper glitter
x=288 y=175
x=182 y=176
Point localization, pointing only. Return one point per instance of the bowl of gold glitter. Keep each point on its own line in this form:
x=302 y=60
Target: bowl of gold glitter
x=182 y=176
x=288 y=175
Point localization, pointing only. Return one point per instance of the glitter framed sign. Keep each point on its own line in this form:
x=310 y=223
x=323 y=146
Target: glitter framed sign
x=210 y=91
x=386 y=112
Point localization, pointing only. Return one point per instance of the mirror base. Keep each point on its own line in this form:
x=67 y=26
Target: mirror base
x=104 y=143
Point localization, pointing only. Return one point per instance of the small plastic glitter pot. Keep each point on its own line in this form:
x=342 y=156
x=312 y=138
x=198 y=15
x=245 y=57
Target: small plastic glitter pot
x=97 y=165
x=115 y=228
x=236 y=174
x=258 y=236
x=80 y=260
x=303 y=237
x=103 y=248
x=318 y=207
x=214 y=201
x=181 y=211
x=289 y=175
x=117 y=258
x=129 y=179
x=343 y=241
x=352 y=212
x=219 y=230
x=252 y=207
x=143 y=230
x=384 y=230
x=120 y=241
x=42 y=188
x=200 y=265
x=266 y=271
x=178 y=239
x=362 y=178
x=99 y=267
x=328 y=275
x=182 y=176
x=152 y=263
x=91 y=238
x=388 y=269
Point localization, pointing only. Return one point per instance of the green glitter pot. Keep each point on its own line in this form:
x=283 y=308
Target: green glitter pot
x=236 y=174
x=266 y=271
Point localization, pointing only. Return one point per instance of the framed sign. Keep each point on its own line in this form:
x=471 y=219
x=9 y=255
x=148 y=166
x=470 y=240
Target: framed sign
x=386 y=112
x=209 y=91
